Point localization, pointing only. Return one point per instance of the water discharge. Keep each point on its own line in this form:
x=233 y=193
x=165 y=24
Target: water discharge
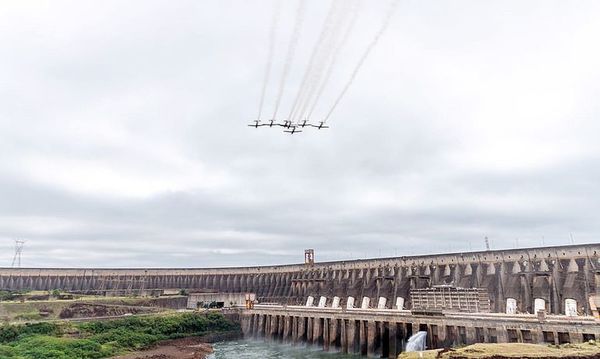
x=249 y=349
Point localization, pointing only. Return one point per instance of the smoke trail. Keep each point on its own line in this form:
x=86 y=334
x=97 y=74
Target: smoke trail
x=290 y=53
x=325 y=56
x=274 y=22
x=384 y=26
x=313 y=55
x=335 y=55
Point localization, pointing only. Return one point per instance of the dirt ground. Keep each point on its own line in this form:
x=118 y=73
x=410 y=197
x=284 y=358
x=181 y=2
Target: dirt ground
x=513 y=350
x=34 y=310
x=186 y=348
x=92 y=310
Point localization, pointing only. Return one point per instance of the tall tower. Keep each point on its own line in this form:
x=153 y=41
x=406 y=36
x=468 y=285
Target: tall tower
x=18 y=250
x=309 y=257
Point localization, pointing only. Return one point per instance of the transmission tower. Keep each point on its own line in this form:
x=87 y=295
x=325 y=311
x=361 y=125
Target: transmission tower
x=487 y=243
x=18 y=250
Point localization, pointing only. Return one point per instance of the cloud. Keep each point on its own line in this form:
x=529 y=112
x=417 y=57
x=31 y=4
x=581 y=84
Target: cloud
x=123 y=135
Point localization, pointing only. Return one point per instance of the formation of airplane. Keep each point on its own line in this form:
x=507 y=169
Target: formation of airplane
x=289 y=126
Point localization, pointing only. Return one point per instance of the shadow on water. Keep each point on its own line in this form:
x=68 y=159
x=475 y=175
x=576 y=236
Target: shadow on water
x=252 y=349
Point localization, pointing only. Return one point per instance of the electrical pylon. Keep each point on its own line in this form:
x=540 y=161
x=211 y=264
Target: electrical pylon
x=18 y=250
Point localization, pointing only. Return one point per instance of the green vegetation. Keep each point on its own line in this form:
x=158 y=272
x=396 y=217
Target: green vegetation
x=29 y=316
x=10 y=295
x=101 y=339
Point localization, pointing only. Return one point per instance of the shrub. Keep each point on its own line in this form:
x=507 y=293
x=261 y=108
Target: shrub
x=102 y=338
x=46 y=347
x=126 y=339
x=9 y=333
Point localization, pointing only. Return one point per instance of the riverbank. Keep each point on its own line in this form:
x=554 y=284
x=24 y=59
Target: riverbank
x=188 y=348
x=590 y=350
x=107 y=339
x=191 y=347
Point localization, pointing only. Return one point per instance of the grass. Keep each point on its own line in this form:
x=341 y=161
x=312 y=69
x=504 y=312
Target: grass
x=102 y=339
x=511 y=350
x=29 y=316
x=11 y=311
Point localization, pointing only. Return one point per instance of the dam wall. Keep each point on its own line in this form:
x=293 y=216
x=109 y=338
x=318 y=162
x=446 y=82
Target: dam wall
x=525 y=277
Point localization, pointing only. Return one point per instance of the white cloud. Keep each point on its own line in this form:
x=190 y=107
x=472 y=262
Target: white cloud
x=123 y=133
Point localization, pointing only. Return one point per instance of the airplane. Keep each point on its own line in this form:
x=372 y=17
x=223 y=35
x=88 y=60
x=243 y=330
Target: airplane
x=303 y=124
x=320 y=126
x=256 y=124
x=271 y=123
x=287 y=124
x=293 y=130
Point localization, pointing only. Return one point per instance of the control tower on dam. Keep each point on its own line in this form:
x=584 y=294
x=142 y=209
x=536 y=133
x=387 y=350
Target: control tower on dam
x=557 y=279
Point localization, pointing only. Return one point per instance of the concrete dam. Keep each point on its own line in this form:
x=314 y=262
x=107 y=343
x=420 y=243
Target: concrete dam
x=373 y=306
x=516 y=280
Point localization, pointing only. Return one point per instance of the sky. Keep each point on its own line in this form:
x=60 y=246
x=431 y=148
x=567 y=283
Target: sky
x=124 y=138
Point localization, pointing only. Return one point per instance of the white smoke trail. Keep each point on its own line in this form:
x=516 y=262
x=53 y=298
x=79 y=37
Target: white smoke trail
x=313 y=55
x=336 y=53
x=324 y=58
x=372 y=44
x=272 y=31
x=290 y=53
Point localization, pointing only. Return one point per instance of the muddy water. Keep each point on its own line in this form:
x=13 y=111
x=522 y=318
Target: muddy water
x=248 y=349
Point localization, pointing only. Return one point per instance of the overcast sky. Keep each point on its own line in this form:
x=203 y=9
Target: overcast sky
x=123 y=137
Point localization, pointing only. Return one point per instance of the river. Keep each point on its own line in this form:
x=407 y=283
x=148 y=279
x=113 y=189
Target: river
x=250 y=349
